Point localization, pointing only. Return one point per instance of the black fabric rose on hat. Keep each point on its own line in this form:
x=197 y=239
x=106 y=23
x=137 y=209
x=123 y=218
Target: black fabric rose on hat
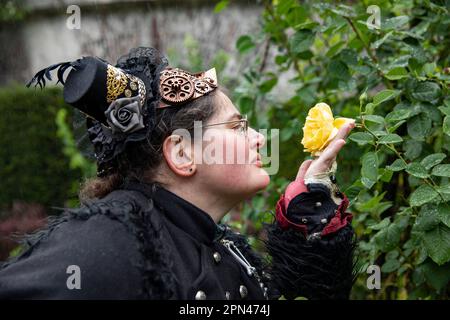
x=124 y=115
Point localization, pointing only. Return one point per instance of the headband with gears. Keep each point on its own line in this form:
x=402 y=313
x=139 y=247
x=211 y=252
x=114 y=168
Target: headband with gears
x=178 y=87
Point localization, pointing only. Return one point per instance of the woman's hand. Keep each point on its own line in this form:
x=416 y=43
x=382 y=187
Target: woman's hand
x=323 y=163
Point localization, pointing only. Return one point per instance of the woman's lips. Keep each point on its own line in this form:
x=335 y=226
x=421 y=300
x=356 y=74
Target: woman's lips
x=258 y=161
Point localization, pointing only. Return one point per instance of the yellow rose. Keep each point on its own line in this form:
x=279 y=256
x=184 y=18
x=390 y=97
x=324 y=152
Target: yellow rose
x=320 y=128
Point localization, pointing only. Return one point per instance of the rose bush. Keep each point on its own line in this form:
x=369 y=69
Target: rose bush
x=393 y=78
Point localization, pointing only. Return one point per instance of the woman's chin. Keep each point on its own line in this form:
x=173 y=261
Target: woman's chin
x=260 y=179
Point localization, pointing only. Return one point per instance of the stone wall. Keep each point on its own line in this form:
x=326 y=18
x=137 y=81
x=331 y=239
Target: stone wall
x=109 y=28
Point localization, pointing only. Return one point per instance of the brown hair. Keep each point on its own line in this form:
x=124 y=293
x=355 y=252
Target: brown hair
x=141 y=159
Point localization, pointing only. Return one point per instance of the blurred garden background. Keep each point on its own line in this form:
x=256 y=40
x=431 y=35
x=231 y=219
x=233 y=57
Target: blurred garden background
x=384 y=63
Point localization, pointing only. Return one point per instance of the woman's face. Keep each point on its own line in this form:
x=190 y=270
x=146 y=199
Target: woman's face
x=231 y=164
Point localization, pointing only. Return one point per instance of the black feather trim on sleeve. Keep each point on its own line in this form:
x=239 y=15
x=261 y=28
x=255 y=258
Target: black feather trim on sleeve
x=316 y=268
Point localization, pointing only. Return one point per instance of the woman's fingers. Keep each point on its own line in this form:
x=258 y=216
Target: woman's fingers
x=303 y=168
x=329 y=154
x=331 y=151
x=344 y=131
x=324 y=162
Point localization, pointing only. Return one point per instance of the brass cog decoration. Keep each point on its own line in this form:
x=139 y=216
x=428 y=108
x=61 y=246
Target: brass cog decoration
x=177 y=88
x=201 y=87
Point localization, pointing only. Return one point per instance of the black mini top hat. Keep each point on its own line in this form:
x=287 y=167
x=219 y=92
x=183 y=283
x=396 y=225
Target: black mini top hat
x=118 y=101
x=93 y=84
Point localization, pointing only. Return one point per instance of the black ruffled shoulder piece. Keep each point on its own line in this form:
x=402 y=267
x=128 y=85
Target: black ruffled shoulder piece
x=131 y=208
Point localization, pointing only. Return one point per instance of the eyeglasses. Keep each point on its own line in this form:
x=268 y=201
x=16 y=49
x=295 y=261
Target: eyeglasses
x=241 y=128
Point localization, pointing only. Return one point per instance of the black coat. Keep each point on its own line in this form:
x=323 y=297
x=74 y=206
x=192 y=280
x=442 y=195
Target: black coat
x=144 y=242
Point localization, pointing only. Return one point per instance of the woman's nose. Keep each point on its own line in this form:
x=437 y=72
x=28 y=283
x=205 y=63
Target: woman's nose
x=257 y=140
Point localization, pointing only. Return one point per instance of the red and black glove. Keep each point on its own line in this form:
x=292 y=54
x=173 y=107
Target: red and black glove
x=312 y=209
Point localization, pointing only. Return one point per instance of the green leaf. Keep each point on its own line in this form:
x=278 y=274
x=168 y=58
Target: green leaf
x=286 y=133
x=246 y=104
x=380 y=225
x=394 y=23
x=384 y=96
x=437 y=276
x=361 y=138
x=396 y=73
x=369 y=169
x=392 y=255
x=437 y=243
x=388 y=238
x=422 y=195
x=429 y=68
x=284 y=6
x=354 y=190
x=369 y=108
x=396 y=126
x=398 y=115
x=268 y=85
x=349 y=57
x=441 y=170
x=375 y=205
x=386 y=175
x=419 y=126
x=390 y=138
x=301 y=41
x=244 y=44
x=433 y=159
x=413 y=149
x=446 y=125
x=445 y=110
x=344 y=11
x=444 y=213
x=374 y=118
x=280 y=59
x=296 y=16
x=221 y=6
x=426 y=91
x=428 y=218
x=417 y=170
x=339 y=70
x=444 y=189
x=390 y=265
x=397 y=165
x=334 y=49
x=378 y=43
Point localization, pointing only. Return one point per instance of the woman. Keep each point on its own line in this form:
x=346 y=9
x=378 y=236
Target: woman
x=149 y=225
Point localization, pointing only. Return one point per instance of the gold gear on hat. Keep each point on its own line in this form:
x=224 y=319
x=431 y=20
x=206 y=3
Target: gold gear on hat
x=116 y=82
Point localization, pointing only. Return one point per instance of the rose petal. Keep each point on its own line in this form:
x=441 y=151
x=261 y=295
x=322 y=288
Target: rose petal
x=339 y=122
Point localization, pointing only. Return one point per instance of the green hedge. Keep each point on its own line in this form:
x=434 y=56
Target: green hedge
x=33 y=167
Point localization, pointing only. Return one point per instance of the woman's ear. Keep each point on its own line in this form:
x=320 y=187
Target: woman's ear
x=178 y=153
